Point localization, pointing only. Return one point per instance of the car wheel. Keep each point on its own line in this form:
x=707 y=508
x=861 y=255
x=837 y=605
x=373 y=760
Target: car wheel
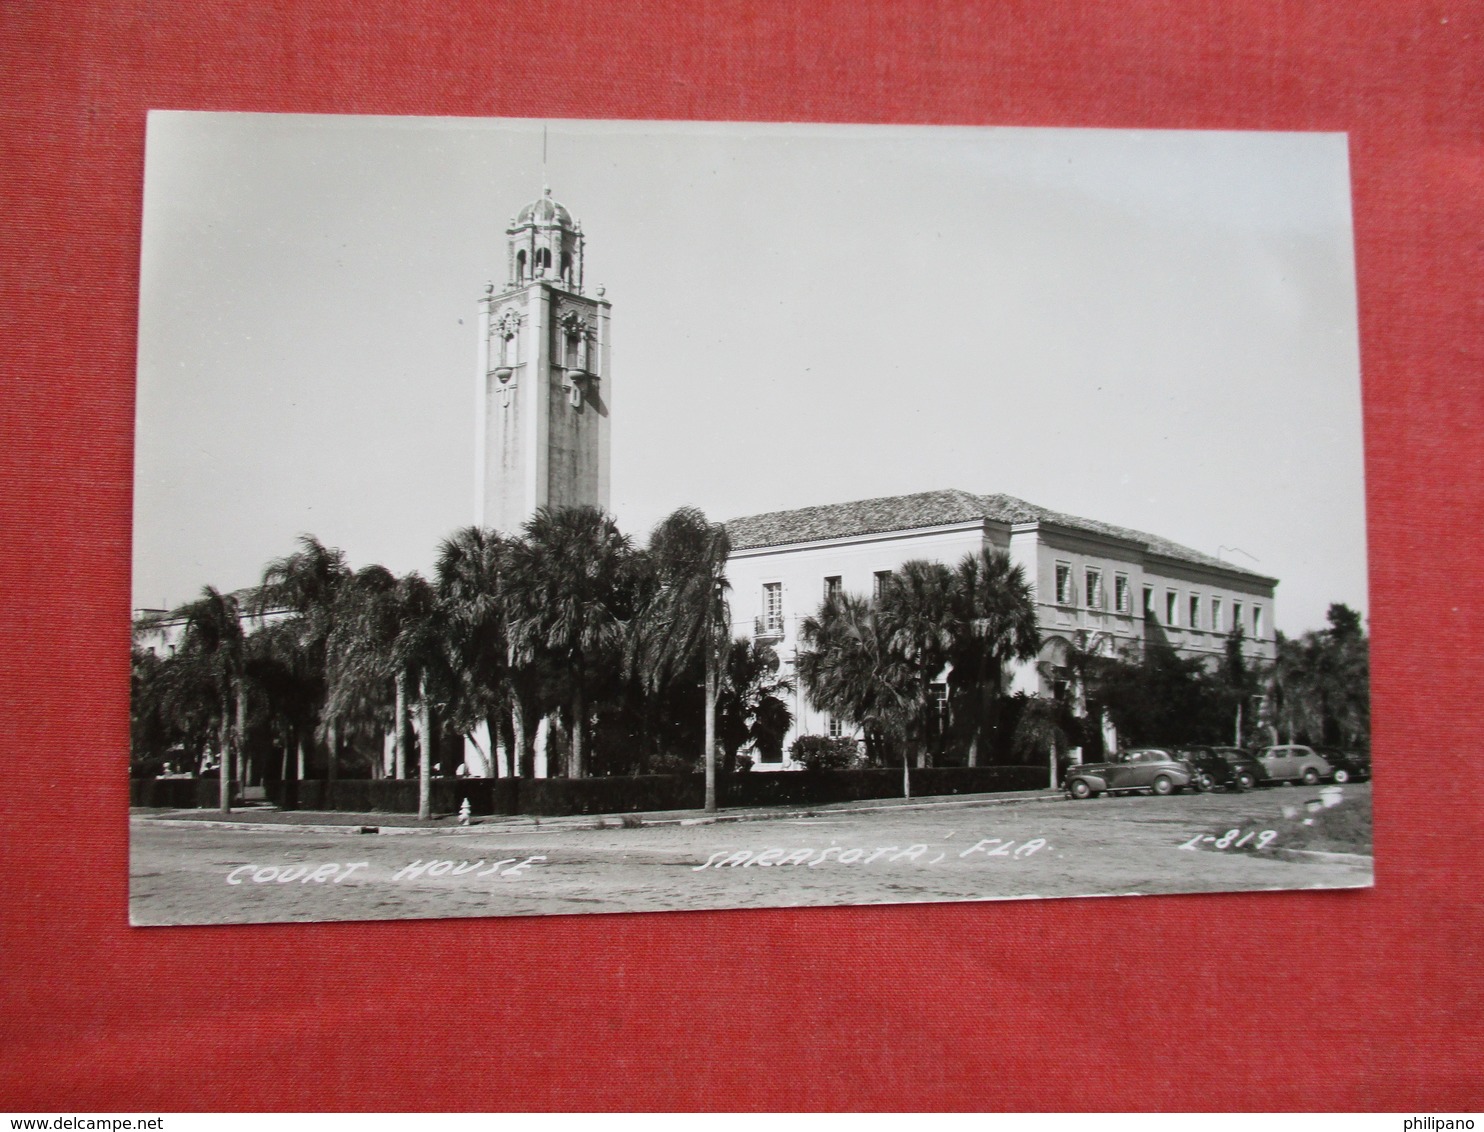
x=1245 y=780
x=1342 y=775
x=1204 y=781
x=1162 y=785
x=1311 y=777
x=1079 y=789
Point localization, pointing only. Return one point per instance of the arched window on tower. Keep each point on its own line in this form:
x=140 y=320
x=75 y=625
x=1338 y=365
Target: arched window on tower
x=543 y=260
x=567 y=268
x=574 y=343
x=507 y=349
x=520 y=266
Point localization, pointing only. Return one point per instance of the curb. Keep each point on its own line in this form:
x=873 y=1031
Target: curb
x=567 y=823
x=847 y=808
x=288 y=827
x=1302 y=855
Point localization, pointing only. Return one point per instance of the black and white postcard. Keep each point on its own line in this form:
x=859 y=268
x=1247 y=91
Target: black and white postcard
x=589 y=516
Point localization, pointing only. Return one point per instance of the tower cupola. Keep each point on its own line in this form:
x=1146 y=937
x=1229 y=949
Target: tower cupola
x=545 y=246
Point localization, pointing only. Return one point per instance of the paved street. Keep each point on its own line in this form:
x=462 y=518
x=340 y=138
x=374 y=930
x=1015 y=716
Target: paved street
x=951 y=850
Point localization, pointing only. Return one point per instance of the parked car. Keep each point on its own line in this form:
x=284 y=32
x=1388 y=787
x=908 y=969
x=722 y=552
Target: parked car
x=1350 y=766
x=1291 y=762
x=1214 y=767
x=1245 y=769
x=1148 y=768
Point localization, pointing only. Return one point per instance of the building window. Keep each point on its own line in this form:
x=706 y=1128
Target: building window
x=1059 y=682
x=1094 y=581
x=835 y=729
x=1215 y=615
x=1237 y=615
x=574 y=341
x=1121 y=593
x=1172 y=608
x=1195 y=611
x=832 y=588
x=772 y=607
x=1148 y=601
x=1257 y=621
x=1064 y=595
x=878 y=583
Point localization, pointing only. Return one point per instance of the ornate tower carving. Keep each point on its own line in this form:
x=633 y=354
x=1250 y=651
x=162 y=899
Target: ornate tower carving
x=544 y=390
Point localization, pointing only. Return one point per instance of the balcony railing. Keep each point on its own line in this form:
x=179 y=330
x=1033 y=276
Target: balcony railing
x=767 y=629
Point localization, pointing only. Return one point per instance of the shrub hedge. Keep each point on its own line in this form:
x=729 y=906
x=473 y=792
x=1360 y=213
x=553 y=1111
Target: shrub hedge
x=802 y=788
x=396 y=795
x=617 y=795
x=175 y=793
x=820 y=752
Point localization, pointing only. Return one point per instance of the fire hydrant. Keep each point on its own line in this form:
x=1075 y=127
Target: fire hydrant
x=464 y=811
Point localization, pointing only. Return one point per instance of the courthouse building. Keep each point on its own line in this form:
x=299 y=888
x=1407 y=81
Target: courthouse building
x=545 y=397
x=1117 y=586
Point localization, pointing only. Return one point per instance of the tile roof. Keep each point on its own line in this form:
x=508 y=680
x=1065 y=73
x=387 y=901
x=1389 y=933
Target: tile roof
x=932 y=509
x=246 y=598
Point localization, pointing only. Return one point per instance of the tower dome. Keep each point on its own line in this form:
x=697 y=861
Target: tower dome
x=545 y=245
x=544 y=212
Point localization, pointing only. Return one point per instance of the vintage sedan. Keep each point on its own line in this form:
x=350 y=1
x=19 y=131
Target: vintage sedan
x=1350 y=766
x=1148 y=768
x=1246 y=771
x=1213 y=768
x=1293 y=762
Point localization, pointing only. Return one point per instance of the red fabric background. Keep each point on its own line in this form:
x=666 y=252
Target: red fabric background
x=1332 y=1001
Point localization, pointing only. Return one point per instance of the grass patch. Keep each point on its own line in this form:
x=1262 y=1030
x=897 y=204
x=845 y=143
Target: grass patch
x=1345 y=828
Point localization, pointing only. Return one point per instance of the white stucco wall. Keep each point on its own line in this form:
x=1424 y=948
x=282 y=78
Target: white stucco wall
x=801 y=569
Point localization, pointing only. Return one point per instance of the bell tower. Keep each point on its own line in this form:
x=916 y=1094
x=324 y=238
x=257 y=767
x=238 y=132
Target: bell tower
x=543 y=384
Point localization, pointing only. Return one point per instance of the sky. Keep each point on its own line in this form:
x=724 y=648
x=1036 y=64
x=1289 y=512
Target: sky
x=1151 y=328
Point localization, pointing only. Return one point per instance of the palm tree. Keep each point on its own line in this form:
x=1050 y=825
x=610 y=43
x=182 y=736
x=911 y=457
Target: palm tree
x=994 y=624
x=364 y=692
x=387 y=650
x=419 y=656
x=1346 y=638
x=749 y=706
x=1235 y=681
x=1040 y=730
x=470 y=569
x=1321 y=682
x=278 y=667
x=211 y=649
x=850 y=670
x=917 y=612
x=566 y=600
x=150 y=728
x=1099 y=686
x=189 y=703
x=1312 y=679
x=306 y=585
x=686 y=617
